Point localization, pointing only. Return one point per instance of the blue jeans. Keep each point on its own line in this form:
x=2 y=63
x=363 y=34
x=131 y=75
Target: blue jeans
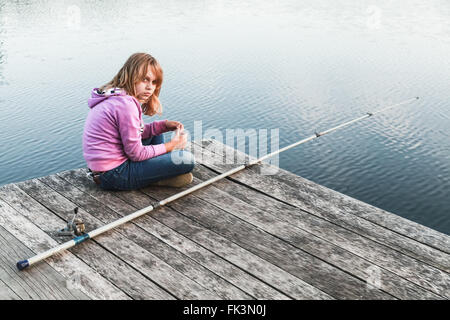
x=135 y=175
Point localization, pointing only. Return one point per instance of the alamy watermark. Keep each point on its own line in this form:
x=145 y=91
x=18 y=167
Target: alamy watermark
x=73 y=17
x=374 y=277
x=229 y=146
x=373 y=20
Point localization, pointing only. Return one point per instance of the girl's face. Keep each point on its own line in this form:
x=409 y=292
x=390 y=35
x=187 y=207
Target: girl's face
x=145 y=88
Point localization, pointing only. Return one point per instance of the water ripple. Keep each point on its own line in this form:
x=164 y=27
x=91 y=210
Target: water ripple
x=300 y=67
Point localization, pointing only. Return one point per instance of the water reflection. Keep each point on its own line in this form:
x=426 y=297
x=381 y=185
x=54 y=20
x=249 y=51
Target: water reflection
x=300 y=66
x=3 y=23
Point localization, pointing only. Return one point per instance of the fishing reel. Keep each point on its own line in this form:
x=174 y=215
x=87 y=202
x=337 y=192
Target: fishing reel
x=74 y=228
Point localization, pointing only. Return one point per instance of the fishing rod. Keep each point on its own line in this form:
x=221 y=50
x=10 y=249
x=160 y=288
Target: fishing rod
x=21 y=265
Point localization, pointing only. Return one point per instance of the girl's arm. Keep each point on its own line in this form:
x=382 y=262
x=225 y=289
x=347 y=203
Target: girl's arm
x=129 y=125
x=154 y=128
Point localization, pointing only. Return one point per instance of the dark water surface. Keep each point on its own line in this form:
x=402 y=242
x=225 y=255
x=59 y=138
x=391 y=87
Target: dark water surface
x=299 y=66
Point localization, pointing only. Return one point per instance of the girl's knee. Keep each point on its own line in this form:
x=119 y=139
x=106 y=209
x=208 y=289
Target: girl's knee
x=188 y=160
x=183 y=158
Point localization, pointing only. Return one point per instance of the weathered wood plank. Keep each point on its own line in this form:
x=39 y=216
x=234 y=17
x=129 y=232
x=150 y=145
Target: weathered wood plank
x=359 y=256
x=179 y=251
x=318 y=247
x=96 y=256
x=36 y=280
x=306 y=200
x=222 y=265
x=78 y=274
x=311 y=270
x=6 y=293
x=391 y=221
x=178 y=283
x=97 y=215
x=45 y=281
x=240 y=278
x=19 y=284
x=269 y=273
x=261 y=268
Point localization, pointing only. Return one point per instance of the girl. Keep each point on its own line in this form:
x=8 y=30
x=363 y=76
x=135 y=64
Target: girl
x=121 y=151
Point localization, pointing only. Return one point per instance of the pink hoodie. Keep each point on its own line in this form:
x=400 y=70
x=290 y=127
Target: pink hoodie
x=114 y=129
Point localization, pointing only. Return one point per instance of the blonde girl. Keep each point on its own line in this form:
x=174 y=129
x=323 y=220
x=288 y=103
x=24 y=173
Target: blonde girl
x=121 y=151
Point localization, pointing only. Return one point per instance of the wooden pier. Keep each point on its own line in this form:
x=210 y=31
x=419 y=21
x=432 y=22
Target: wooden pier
x=253 y=235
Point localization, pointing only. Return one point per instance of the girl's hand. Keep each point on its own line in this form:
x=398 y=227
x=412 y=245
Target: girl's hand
x=174 y=125
x=178 y=142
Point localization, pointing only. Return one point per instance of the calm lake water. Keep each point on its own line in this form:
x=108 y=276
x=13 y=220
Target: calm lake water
x=296 y=66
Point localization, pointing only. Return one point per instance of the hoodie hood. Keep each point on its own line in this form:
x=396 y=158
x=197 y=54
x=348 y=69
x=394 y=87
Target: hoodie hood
x=97 y=96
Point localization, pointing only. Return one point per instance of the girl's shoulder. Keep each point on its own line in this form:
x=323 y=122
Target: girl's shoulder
x=117 y=95
x=114 y=101
x=125 y=104
x=123 y=99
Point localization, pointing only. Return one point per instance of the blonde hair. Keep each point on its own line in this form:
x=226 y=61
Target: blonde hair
x=135 y=69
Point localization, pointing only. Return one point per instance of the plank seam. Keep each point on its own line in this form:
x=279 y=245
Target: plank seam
x=120 y=258
x=339 y=225
x=78 y=257
x=237 y=244
x=51 y=284
x=7 y=286
x=401 y=234
x=287 y=243
x=201 y=265
x=319 y=258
